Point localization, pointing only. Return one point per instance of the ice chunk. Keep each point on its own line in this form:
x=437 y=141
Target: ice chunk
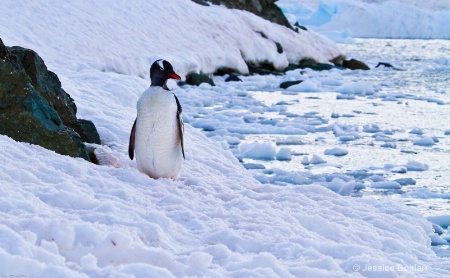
x=258 y=150
x=315 y=159
x=336 y=152
x=416 y=166
x=284 y=154
x=441 y=220
x=386 y=185
x=424 y=141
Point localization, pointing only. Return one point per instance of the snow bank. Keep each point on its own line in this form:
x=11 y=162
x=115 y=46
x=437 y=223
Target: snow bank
x=112 y=36
x=340 y=20
x=66 y=217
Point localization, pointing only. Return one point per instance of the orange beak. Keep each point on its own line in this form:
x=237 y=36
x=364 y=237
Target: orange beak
x=175 y=76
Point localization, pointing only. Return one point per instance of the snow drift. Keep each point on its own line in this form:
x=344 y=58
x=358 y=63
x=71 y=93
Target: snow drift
x=111 y=36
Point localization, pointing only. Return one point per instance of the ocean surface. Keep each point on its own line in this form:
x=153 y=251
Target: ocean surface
x=392 y=121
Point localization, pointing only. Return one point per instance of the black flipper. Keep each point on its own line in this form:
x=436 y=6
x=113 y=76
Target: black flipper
x=131 y=144
x=180 y=124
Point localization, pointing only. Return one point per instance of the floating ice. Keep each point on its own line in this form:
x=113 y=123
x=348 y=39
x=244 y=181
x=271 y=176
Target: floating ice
x=340 y=186
x=424 y=141
x=425 y=193
x=417 y=131
x=441 y=220
x=336 y=152
x=356 y=88
x=416 y=166
x=371 y=128
x=406 y=181
x=258 y=150
x=391 y=145
x=385 y=185
x=315 y=159
x=437 y=240
x=284 y=154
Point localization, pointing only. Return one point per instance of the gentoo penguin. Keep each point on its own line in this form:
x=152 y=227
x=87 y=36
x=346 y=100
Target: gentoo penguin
x=157 y=134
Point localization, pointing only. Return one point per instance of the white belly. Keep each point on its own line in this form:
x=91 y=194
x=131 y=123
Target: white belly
x=158 y=143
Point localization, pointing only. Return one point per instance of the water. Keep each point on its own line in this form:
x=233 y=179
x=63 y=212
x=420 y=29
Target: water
x=378 y=108
x=414 y=97
x=375 y=115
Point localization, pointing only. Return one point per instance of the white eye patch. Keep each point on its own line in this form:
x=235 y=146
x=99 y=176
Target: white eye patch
x=160 y=63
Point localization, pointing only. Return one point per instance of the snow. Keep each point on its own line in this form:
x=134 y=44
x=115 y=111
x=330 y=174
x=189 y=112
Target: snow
x=342 y=20
x=65 y=217
x=148 y=31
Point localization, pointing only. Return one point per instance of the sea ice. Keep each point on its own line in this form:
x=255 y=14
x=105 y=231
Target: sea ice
x=424 y=141
x=336 y=152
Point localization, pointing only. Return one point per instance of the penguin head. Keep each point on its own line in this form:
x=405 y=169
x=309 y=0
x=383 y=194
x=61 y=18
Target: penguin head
x=160 y=72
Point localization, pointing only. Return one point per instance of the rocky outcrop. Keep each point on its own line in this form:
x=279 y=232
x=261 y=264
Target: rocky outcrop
x=233 y=77
x=263 y=8
x=196 y=79
x=311 y=64
x=287 y=84
x=35 y=109
x=354 y=64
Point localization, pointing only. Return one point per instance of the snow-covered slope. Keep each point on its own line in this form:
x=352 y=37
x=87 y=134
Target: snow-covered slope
x=112 y=36
x=340 y=19
x=65 y=217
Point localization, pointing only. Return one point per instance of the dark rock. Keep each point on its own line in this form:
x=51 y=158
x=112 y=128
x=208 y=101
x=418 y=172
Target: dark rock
x=287 y=84
x=337 y=61
x=198 y=78
x=88 y=132
x=291 y=67
x=201 y=2
x=300 y=26
x=224 y=70
x=48 y=85
x=4 y=54
x=263 y=8
x=312 y=64
x=262 y=34
x=279 y=47
x=277 y=44
x=387 y=65
x=232 y=77
x=35 y=109
x=262 y=69
x=273 y=13
x=354 y=64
